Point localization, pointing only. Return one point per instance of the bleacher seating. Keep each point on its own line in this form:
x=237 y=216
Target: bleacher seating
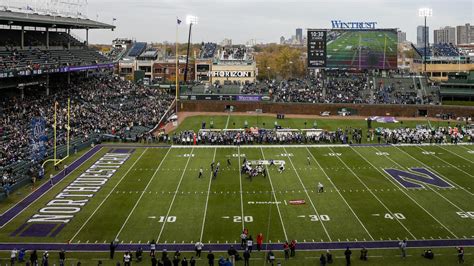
x=37 y=58
x=137 y=49
x=440 y=49
x=445 y=49
x=208 y=50
x=12 y=38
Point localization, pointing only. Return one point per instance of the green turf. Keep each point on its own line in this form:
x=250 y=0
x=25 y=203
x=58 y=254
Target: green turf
x=264 y=121
x=358 y=204
x=460 y=103
x=344 y=51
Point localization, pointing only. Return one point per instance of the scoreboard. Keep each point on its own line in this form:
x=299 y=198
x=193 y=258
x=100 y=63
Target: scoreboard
x=316 y=48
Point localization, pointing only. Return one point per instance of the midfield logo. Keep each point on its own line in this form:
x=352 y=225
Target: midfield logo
x=417 y=178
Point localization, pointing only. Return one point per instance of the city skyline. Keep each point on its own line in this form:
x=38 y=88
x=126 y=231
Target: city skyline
x=262 y=21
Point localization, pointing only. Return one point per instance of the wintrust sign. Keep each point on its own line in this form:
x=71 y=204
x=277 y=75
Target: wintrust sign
x=338 y=24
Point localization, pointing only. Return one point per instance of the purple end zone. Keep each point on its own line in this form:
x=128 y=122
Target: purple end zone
x=23 y=204
x=224 y=247
x=38 y=230
x=57 y=230
x=19 y=229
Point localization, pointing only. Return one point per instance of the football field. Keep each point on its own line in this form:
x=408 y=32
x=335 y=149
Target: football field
x=373 y=196
x=363 y=49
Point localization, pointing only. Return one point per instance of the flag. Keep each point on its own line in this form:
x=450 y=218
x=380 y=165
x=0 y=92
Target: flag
x=114 y=19
x=178 y=21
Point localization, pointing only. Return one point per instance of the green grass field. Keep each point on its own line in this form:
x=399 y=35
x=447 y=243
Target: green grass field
x=233 y=121
x=156 y=194
x=363 y=49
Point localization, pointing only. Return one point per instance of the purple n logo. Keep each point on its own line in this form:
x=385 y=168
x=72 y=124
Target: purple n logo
x=417 y=177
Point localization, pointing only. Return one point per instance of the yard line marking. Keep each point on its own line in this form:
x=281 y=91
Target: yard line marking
x=310 y=200
x=337 y=190
x=138 y=201
x=274 y=196
x=174 y=197
x=108 y=195
x=227 y=123
x=441 y=159
x=241 y=197
x=439 y=194
x=462 y=157
x=425 y=165
x=373 y=194
x=207 y=200
x=404 y=191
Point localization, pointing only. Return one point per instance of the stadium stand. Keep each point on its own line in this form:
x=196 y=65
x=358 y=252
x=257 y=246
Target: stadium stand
x=137 y=49
x=208 y=50
x=101 y=108
x=440 y=49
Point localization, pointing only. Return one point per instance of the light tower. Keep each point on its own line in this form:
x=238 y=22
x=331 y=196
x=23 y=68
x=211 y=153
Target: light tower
x=425 y=12
x=190 y=19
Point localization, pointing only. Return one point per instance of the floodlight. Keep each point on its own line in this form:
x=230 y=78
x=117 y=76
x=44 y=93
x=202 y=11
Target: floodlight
x=425 y=12
x=190 y=19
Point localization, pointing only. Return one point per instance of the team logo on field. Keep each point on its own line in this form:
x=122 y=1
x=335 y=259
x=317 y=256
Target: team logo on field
x=417 y=178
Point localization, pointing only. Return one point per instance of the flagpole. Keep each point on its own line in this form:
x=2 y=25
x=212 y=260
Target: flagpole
x=177 y=69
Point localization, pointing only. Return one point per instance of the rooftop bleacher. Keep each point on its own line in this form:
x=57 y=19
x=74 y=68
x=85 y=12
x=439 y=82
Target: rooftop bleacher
x=137 y=49
x=208 y=50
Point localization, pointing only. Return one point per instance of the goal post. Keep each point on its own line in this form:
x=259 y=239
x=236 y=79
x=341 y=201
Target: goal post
x=55 y=159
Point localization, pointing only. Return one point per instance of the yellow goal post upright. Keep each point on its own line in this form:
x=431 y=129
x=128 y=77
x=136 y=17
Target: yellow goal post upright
x=55 y=159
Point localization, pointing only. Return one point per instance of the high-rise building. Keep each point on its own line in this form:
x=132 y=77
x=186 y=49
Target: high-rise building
x=465 y=34
x=421 y=32
x=226 y=42
x=402 y=36
x=299 y=35
x=445 y=35
x=282 y=40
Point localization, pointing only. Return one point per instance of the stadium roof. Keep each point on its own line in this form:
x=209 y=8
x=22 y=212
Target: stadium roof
x=37 y=20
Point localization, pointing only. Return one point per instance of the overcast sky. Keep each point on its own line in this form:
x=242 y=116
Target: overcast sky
x=263 y=20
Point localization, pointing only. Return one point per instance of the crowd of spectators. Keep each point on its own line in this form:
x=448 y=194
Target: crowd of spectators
x=233 y=53
x=424 y=135
x=98 y=106
x=339 y=136
x=264 y=136
x=208 y=50
x=338 y=89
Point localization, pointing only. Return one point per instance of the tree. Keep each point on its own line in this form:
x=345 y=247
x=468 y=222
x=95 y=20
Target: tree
x=280 y=61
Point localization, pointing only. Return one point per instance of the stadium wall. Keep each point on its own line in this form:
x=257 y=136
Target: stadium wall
x=316 y=109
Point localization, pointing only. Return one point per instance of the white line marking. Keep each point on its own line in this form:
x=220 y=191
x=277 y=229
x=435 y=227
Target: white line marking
x=143 y=193
x=337 y=190
x=54 y=185
x=227 y=123
x=174 y=197
x=108 y=195
x=375 y=196
x=470 y=193
x=274 y=196
x=310 y=200
x=462 y=157
x=207 y=199
x=404 y=192
x=241 y=197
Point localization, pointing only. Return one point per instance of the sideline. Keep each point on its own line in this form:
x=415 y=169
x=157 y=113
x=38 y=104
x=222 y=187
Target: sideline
x=225 y=247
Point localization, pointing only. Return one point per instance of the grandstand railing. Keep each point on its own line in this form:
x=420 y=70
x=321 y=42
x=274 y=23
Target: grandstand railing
x=165 y=116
